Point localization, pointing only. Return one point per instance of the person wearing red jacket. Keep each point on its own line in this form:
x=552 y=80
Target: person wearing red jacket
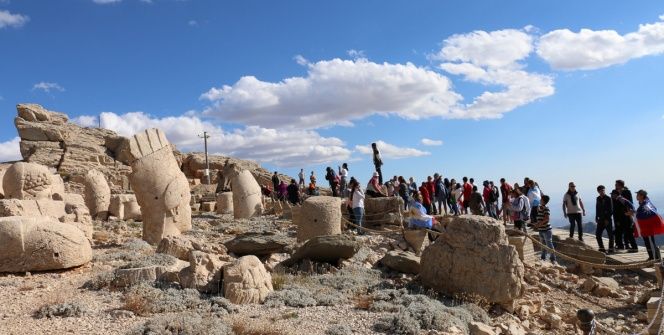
x=431 y=188
x=467 y=191
x=426 y=199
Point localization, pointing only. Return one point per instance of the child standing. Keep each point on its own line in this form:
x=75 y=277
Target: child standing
x=543 y=227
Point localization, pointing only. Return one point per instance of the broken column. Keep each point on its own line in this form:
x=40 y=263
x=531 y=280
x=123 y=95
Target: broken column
x=161 y=189
x=97 y=194
x=246 y=196
x=225 y=203
x=125 y=207
x=319 y=216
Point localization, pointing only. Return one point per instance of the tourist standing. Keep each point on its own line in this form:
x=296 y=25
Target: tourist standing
x=412 y=186
x=431 y=188
x=275 y=181
x=486 y=193
x=378 y=162
x=457 y=194
x=441 y=193
x=312 y=177
x=301 y=177
x=476 y=203
x=293 y=191
x=628 y=208
x=343 y=174
x=357 y=203
x=534 y=197
x=624 y=224
x=520 y=209
x=648 y=224
x=426 y=199
x=543 y=227
x=494 y=196
x=403 y=192
x=332 y=179
x=603 y=218
x=467 y=191
x=573 y=210
x=505 y=192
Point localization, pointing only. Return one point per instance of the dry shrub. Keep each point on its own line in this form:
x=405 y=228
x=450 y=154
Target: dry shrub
x=278 y=280
x=101 y=236
x=363 y=301
x=255 y=327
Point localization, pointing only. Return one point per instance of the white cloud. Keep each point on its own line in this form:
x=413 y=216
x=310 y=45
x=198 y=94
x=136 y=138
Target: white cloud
x=48 y=87
x=391 y=151
x=356 y=54
x=192 y=23
x=8 y=19
x=10 y=150
x=594 y=49
x=281 y=148
x=86 y=121
x=105 y=2
x=431 y=142
x=335 y=92
x=494 y=58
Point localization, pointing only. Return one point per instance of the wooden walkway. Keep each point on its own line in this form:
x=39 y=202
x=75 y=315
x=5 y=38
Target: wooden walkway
x=620 y=257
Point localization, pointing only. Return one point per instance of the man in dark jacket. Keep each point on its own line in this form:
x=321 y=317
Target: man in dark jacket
x=603 y=215
x=624 y=226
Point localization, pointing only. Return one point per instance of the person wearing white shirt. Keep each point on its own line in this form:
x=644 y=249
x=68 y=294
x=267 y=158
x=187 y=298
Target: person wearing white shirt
x=357 y=202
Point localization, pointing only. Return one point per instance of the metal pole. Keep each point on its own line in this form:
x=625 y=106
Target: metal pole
x=207 y=162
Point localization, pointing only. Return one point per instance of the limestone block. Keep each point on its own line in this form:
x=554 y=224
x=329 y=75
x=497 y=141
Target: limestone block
x=246 y=281
x=328 y=248
x=225 y=203
x=401 y=261
x=383 y=211
x=176 y=246
x=33 y=208
x=2 y=190
x=208 y=206
x=259 y=244
x=247 y=198
x=161 y=188
x=97 y=194
x=125 y=207
x=58 y=188
x=319 y=216
x=203 y=273
x=39 y=244
x=473 y=256
x=28 y=181
x=417 y=239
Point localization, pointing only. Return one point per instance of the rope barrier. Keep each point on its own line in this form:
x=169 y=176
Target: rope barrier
x=373 y=231
x=628 y=266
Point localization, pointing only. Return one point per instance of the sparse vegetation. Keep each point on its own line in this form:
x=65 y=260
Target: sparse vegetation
x=65 y=310
x=339 y=330
x=144 y=299
x=184 y=323
x=255 y=327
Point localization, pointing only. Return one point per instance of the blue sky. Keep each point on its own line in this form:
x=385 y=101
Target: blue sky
x=558 y=91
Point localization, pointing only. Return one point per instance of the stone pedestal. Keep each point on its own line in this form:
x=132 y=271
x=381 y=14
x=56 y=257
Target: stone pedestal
x=318 y=216
x=225 y=203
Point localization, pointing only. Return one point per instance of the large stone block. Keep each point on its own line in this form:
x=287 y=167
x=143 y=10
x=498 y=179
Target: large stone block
x=125 y=207
x=161 y=188
x=246 y=281
x=473 y=256
x=247 y=197
x=203 y=273
x=319 y=216
x=383 y=211
x=97 y=194
x=225 y=203
x=28 y=181
x=39 y=244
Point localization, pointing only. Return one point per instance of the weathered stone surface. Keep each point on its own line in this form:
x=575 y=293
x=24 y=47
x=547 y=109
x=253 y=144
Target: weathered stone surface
x=319 y=216
x=417 y=239
x=77 y=213
x=579 y=250
x=203 y=273
x=97 y=194
x=383 y=211
x=479 y=328
x=208 y=206
x=161 y=188
x=3 y=169
x=473 y=256
x=246 y=281
x=38 y=244
x=247 y=197
x=524 y=247
x=259 y=244
x=125 y=207
x=33 y=208
x=28 y=181
x=225 y=203
x=328 y=248
x=132 y=276
x=400 y=261
x=601 y=287
x=176 y=246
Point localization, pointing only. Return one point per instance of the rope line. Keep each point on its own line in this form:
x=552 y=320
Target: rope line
x=372 y=231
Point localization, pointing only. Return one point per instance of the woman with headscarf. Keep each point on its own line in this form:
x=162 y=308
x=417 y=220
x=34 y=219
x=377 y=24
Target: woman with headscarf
x=573 y=209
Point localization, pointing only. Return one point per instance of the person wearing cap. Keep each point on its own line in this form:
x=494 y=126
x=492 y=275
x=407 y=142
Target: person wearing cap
x=374 y=187
x=628 y=209
x=624 y=224
x=648 y=224
x=573 y=210
x=603 y=218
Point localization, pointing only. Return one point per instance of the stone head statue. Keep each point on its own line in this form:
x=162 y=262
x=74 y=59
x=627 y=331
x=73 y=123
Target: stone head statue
x=28 y=181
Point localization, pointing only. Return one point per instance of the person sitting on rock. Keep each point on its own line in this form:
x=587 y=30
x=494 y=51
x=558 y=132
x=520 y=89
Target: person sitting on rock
x=313 y=189
x=418 y=215
x=293 y=192
x=374 y=188
x=476 y=203
x=282 y=191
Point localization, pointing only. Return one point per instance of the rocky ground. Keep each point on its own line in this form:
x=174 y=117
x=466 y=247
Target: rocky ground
x=357 y=296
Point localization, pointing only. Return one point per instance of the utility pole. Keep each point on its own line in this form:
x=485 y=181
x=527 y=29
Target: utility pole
x=207 y=162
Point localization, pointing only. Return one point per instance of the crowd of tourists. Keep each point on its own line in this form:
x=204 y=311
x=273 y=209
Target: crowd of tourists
x=524 y=206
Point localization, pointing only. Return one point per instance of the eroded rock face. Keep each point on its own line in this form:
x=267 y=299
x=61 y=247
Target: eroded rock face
x=39 y=244
x=319 y=216
x=259 y=244
x=401 y=261
x=246 y=281
x=28 y=181
x=125 y=207
x=97 y=194
x=203 y=273
x=247 y=202
x=162 y=190
x=473 y=256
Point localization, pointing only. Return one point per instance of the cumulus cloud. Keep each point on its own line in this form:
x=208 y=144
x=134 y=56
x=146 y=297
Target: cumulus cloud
x=48 y=87
x=494 y=58
x=10 y=150
x=8 y=19
x=589 y=49
x=281 y=148
x=391 y=151
x=334 y=92
x=431 y=142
